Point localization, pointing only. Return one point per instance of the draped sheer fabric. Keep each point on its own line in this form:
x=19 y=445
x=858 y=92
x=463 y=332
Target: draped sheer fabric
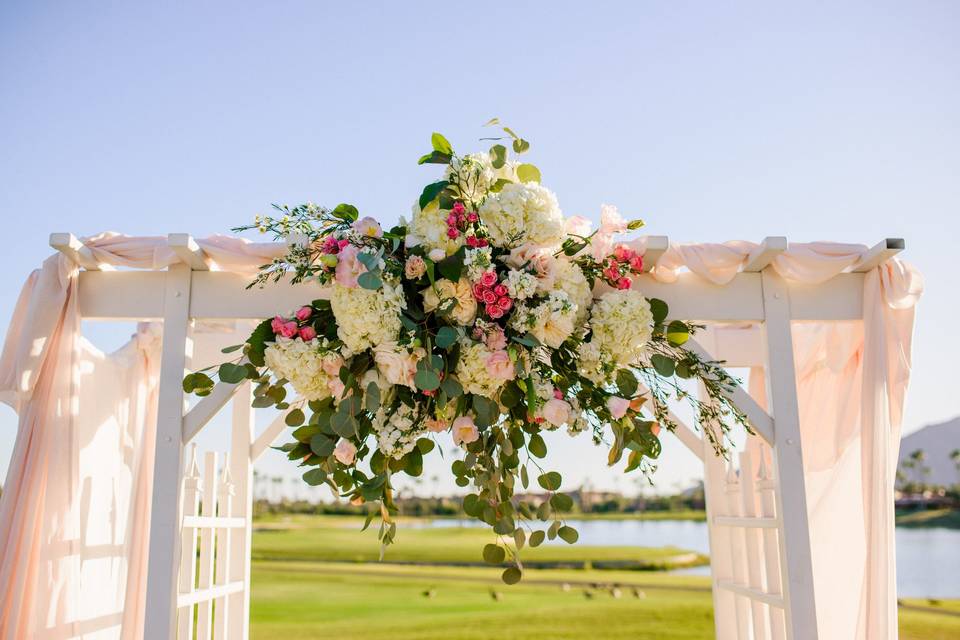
x=74 y=515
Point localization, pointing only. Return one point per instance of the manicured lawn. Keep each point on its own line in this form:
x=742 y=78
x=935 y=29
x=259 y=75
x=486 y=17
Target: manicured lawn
x=946 y=518
x=339 y=539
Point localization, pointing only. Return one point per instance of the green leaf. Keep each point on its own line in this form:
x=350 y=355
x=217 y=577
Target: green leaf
x=536 y=538
x=231 y=348
x=451 y=267
x=322 y=445
x=683 y=370
x=451 y=386
x=528 y=340
x=626 y=383
x=315 y=476
x=346 y=212
x=446 y=336
x=413 y=463
x=537 y=446
x=486 y=410
x=498 y=153
x=493 y=554
x=659 y=309
x=561 y=502
x=431 y=191
x=511 y=575
x=304 y=433
x=472 y=506
x=232 y=373
x=524 y=477
x=504 y=526
x=678 y=333
x=370 y=280
x=344 y=424
x=664 y=365
x=258 y=342
x=528 y=173
x=294 y=418
x=440 y=144
x=426 y=380
x=425 y=445
x=550 y=480
x=511 y=395
x=568 y=534
x=371 y=398
x=520 y=145
x=435 y=157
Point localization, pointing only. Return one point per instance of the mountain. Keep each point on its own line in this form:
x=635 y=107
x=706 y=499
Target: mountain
x=936 y=441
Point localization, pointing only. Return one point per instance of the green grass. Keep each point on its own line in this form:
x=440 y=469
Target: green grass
x=946 y=518
x=339 y=539
x=312 y=600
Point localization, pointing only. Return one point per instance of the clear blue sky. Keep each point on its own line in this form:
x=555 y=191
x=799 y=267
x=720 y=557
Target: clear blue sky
x=712 y=121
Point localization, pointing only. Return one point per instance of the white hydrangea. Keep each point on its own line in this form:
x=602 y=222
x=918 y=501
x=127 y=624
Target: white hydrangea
x=471 y=175
x=521 y=284
x=578 y=422
x=302 y=363
x=570 y=279
x=367 y=317
x=472 y=370
x=429 y=227
x=476 y=262
x=551 y=322
x=396 y=430
x=622 y=325
x=523 y=213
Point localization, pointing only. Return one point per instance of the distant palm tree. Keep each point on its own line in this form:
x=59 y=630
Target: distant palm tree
x=955 y=458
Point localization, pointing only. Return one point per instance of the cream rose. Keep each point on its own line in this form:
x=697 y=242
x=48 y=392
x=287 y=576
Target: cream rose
x=465 y=309
x=398 y=365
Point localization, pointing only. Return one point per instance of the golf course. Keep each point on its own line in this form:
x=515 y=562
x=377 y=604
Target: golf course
x=316 y=577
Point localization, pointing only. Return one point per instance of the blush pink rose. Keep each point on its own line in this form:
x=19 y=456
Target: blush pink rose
x=332 y=365
x=495 y=339
x=618 y=406
x=348 y=267
x=556 y=411
x=336 y=388
x=464 y=430
x=499 y=366
x=345 y=452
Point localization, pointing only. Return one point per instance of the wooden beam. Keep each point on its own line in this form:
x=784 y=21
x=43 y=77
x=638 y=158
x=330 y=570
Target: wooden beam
x=203 y=412
x=269 y=435
x=656 y=247
x=770 y=248
x=189 y=251
x=878 y=254
x=70 y=246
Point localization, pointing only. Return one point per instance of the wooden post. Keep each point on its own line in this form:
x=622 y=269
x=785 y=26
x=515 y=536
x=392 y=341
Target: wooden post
x=208 y=509
x=801 y=613
x=241 y=473
x=163 y=563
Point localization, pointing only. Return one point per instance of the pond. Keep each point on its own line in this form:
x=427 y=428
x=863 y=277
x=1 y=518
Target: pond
x=927 y=559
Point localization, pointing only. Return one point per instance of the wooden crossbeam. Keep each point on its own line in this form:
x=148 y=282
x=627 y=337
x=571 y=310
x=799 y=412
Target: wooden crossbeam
x=770 y=248
x=189 y=251
x=774 y=600
x=656 y=247
x=878 y=254
x=759 y=419
x=265 y=439
x=200 y=415
x=70 y=246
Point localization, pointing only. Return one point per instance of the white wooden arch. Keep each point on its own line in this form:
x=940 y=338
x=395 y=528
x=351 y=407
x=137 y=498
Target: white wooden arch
x=757 y=517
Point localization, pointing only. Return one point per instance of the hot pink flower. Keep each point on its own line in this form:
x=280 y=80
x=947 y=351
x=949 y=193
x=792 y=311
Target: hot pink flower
x=330 y=245
x=452 y=220
x=489 y=296
x=624 y=283
x=478 y=290
x=494 y=311
x=452 y=233
x=349 y=268
x=277 y=324
x=499 y=366
x=472 y=241
x=342 y=243
x=505 y=303
x=636 y=263
x=623 y=253
x=558 y=394
x=618 y=406
x=303 y=313
x=289 y=329
x=464 y=430
x=458 y=208
x=346 y=452
x=472 y=216
x=500 y=290
x=489 y=278
x=307 y=333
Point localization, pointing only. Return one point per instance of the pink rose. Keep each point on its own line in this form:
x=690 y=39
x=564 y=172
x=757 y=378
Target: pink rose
x=346 y=452
x=556 y=411
x=332 y=365
x=303 y=313
x=618 y=406
x=500 y=290
x=494 y=311
x=289 y=329
x=464 y=430
x=623 y=253
x=505 y=303
x=349 y=268
x=489 y=297
x=496 y=339
x=499 y=366
x=277 y=324
x=414 y=268
x=458 y=208
x=473 y=217
x=368 y=227
x=452 y=233
x=636 y=263
x=335 y=385
x=489 y=278
x=624 y=283
x=307 y=333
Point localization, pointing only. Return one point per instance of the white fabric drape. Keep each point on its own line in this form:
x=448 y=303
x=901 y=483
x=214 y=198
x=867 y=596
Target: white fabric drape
x=851 y=381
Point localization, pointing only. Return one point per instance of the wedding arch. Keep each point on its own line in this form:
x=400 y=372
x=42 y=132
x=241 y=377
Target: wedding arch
x=800 y=522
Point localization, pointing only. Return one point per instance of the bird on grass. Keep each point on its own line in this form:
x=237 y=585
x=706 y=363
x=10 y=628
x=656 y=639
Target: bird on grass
x=429 y=593
x=496 y=595
x=638 y=594
x=587 y=594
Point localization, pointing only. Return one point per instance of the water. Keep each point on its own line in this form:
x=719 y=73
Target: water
x=927 y=559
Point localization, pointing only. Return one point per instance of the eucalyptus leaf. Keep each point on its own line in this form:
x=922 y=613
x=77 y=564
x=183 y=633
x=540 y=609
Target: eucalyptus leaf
x=664 y=365
x=493 y=554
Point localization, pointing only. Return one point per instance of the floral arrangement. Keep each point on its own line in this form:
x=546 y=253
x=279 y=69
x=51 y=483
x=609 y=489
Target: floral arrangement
x=488 y=315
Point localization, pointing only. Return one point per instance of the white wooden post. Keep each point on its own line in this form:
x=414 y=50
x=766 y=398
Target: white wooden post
x=188 y=549
x=164 y=560
x=208 y=509
x=222 y=624
x=241 y=473
x=801 y=613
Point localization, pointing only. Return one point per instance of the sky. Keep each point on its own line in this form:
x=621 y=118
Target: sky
x=711 y=121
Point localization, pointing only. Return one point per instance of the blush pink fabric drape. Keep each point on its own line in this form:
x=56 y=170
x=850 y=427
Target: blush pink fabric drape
x=64 y=574
x=852 y=380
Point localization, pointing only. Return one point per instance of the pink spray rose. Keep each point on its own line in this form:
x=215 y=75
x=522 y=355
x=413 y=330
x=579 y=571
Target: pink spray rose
x=307 y=333
x=289 y=329
x=618 y=406
x=303 y=313
x=556 y=411
x=499 y=366
x=489 y=278
x=348 y=267
x=277 y=324
x=464 y=430
x=346 y=452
